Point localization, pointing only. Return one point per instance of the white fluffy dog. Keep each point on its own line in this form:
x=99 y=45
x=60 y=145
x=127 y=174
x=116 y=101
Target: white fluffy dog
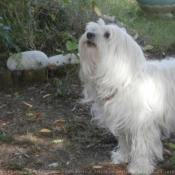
x=132 y=97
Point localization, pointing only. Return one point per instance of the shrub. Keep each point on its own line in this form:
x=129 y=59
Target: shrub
x=40 y=24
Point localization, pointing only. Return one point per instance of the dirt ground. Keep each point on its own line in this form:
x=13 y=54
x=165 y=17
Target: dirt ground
x=45 y=130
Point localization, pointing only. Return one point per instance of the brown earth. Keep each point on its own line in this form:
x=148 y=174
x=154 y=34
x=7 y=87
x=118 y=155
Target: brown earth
x=44 y=123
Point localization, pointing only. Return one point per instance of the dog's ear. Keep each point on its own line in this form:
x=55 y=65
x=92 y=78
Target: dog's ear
x=101 y=22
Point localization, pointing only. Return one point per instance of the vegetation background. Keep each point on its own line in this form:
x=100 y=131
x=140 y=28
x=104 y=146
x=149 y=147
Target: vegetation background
x=47 y=25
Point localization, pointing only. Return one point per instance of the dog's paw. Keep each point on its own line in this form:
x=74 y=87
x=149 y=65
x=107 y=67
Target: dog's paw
x=140 y=169
x=119 y=158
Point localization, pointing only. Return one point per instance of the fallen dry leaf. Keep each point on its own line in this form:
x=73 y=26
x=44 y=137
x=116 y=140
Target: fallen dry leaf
x=31 y=88
x=59 y=122
x=96 y=9
x=97 y=167
x=47 y=95
x=30 y=114
x=68 y=162
x=1 y=122
x=58 y=141
x=45 y=130
x=147 y=47
x=2 y=106
x=81 y=125
x=136 y=35
x=37 y=115
x=51 y=66
x=53 y=165
x=168 y=152
x=27 y=104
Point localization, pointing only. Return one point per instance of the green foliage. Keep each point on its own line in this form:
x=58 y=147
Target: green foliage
x=17 y=57
x=55 y=26
x=39 y=63
x=173 y=158
x=70 y=45
x=49 y=26
x=155 y=30
x=13 y=165
x=6 y=40
x=59 y=83
x=6 y=138
x=16 y=94
x=62 y=91
x=36 y=25
x=171 y=145
x=20 y=152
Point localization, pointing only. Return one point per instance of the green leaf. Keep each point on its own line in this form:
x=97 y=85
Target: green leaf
x=26 y=155
x=171 y=145
x=59 y=91
x=65 y=2
x=1 y=20
x=53 y=17
x=3 y=54
x=173 y=158
x=96 y=9
x=60 y=83
x=71 y=45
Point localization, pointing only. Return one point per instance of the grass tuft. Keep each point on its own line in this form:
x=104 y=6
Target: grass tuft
x=7 y=138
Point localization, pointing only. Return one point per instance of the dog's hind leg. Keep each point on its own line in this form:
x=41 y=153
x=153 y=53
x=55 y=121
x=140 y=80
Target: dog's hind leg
x=146 y=147
x=121 y=155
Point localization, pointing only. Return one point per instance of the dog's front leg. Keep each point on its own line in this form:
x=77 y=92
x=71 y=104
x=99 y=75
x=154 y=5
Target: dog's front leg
x=121 y=155
x=145 y=148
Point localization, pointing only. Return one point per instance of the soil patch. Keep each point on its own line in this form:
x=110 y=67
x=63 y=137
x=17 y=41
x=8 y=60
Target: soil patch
x=45 y=130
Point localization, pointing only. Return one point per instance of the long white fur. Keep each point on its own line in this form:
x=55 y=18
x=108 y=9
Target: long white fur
x=142 y=94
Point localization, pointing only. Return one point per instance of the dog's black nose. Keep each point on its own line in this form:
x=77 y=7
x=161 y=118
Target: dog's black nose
x=90 y=35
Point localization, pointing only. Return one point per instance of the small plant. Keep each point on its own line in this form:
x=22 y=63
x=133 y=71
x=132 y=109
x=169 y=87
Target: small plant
x=71 y=45
x=14 y=165
x=17 y=57
x=57 y=82
x=59 y=89
x=39 y=162
x=6 y=138
x=16 y=94
x=171 y=145
x=173 y=157
x=21 y=153
x=60 y=164
x=34 y=148
x=39 y=63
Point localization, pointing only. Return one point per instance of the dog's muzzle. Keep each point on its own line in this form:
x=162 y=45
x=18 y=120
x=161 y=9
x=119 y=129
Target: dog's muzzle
x=90 y=39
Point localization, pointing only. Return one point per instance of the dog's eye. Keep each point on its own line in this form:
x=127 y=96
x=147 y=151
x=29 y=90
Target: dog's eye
x=107 y=34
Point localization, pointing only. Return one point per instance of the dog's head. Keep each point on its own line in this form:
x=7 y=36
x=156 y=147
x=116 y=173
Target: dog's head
x=99 y=39
x=107 y=50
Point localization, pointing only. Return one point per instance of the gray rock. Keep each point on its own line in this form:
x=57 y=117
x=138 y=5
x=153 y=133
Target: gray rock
x=27 y=60
x=59 y=60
